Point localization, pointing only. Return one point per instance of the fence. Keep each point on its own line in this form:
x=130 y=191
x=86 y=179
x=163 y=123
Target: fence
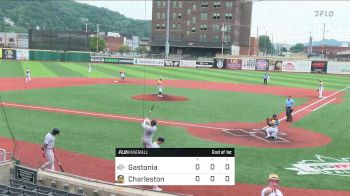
x=44 y=55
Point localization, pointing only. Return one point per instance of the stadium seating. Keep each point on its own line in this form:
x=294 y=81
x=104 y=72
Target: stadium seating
x=16 y=183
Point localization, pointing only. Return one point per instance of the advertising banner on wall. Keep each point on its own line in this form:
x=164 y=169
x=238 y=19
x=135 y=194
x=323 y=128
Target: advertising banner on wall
x=296 y=66
x=248 y=64
x=125 y=61
x=235 y=64
x=172 y=63
x=187 y=63
x=204 y=64
x=319 y=66
x=8 y=54
x=156 y=62
x=219 y=63
x=22 y=55
x=262 y=64
x=97 y=59
x=110 y=60
x=336 y=67
x=278 y=65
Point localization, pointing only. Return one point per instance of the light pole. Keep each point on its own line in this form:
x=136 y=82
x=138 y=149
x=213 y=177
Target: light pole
x=86 y=24
x=167 y=31
x=223 y=29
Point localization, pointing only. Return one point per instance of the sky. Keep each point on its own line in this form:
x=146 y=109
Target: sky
x=286 y=22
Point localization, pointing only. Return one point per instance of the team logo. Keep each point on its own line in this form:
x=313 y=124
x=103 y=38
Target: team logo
x=323 y=166
x=120 y=179
x=8 y=54
x=121 y=167
x=219 y=64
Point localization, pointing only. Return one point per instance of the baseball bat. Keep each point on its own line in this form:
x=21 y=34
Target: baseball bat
x=150 y=111
x=59 y=164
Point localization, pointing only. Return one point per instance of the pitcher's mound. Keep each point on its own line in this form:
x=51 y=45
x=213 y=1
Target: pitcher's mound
x=154 y=97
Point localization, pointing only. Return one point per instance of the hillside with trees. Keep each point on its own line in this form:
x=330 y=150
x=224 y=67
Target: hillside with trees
x=66 y=15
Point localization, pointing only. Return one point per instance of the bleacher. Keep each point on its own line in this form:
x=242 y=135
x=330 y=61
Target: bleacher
x=23 y=188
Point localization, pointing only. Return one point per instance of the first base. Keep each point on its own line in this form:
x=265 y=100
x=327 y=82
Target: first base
x=116 y=81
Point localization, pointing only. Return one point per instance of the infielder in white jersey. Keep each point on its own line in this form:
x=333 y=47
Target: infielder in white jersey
x=271 y=189
x=320 y=89
x=157 y=144
x=149 y=128
x=28 y=79
x=48 y=149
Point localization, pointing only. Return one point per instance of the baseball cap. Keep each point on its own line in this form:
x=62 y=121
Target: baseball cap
x=274 y=115
x=273 y=177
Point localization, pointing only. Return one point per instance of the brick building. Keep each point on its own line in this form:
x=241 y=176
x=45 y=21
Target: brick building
x=196 y=26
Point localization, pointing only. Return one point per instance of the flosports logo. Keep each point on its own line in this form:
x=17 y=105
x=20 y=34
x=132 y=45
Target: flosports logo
x=323 y=165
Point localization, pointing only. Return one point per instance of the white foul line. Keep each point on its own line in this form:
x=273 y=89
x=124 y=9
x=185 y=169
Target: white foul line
x=325 y=104
x=312 y=104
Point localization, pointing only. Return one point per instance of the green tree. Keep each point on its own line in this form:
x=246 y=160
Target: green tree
x=101 y=44
x=297 y=48
x=283 y=49
x=141 y=50
x=124 y=49
x=265 y=44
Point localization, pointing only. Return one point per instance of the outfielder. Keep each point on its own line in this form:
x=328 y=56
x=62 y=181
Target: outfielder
x=89 y=68
x=272 y=130
x=320 y=89
x=28 y=79
x=149 y=128
x=157 y=144
x=271 y=189
x=48 y=149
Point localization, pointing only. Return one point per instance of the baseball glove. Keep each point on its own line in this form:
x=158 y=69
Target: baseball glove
x=268 y=120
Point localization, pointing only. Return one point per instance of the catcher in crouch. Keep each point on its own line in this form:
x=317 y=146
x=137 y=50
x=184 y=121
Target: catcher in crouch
x=272 y=130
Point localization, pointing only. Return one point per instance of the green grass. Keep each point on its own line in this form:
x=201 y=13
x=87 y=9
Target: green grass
x=252 y=164
x=204 y=106
x=60 y=69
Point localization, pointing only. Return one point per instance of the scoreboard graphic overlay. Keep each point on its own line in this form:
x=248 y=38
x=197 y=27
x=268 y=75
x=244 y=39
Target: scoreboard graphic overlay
x=175 y=166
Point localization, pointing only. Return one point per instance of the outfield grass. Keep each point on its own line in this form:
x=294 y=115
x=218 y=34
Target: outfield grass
x=98 y=137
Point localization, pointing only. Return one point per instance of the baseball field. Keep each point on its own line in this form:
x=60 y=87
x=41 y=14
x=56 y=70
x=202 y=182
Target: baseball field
x=97 y=112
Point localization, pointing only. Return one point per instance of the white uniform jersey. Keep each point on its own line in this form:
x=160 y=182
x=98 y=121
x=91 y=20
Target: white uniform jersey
x=275 y=193
x=49 y=141
x=155 y=145
x=148 y=132
x=160 y=89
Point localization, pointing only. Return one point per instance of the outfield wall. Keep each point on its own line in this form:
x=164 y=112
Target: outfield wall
x=44 y=55
x=231 y=63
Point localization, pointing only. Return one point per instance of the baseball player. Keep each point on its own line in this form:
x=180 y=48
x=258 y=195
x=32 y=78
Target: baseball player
x=320 y=89
x=266 y=77
x=28 y=79
x=160 y=91
x=272 y=130
x=157 y=144
x=149 y=128
x=159 y=82
x=89 y=68
x=122 y=74
x=48 y=149
x=271 y=189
